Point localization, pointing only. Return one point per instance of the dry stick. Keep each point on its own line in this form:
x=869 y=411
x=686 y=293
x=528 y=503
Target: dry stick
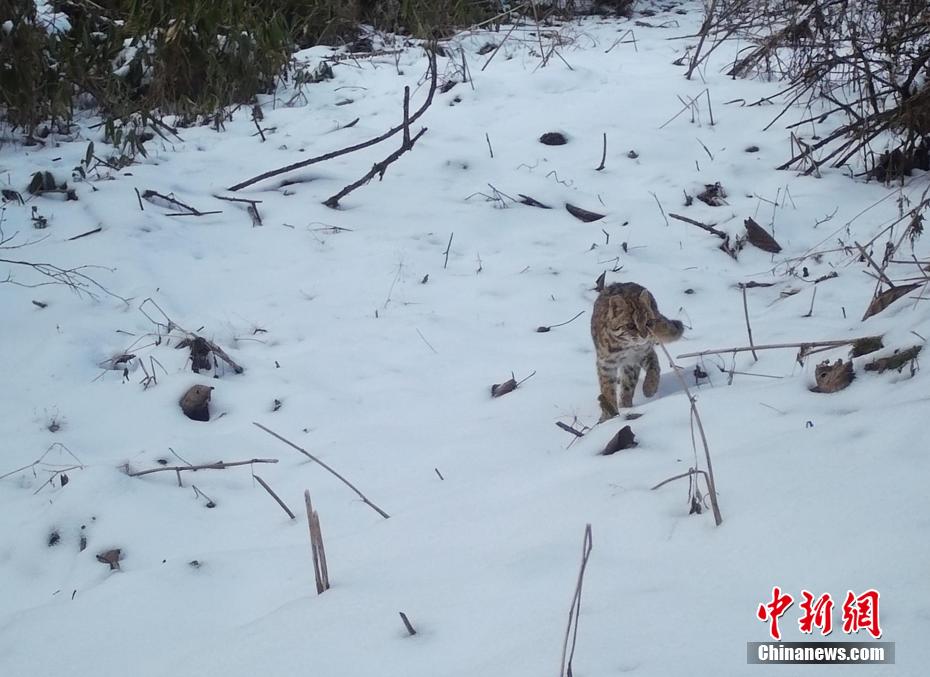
x=359 y=146
x=331 y=471
x=324 y=569
x=195 y=213
x=704 y=226
x=407 y=623
x=190 y=210
x=238 y=199
x=542 y=50
x=379 y=168
x=575 y=610
x=867 y=257
x=748 y=326
x=804 y=345
x=603 y=155
x=562 y=324
x=488 y=139
x=688 y=105
x=275 y=496
x=218 y=465
x=691 y=471
x=139 y=197
x=406 y=137
x=711 y=485
x=810 y=313
x=448 y=247
x=710 y=108
x=656 y=197
x=315 y=546
x=494 y=53
x=705 y=29
x=89 y=232
x=567 y=428
x=170 y=325
x=261 y=132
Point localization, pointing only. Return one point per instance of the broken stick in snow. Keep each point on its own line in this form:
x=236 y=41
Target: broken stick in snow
x=331 y=471
x=379 y=168
x=320 y=571
x=359 y=146
x=275 y=496
x=571 y=632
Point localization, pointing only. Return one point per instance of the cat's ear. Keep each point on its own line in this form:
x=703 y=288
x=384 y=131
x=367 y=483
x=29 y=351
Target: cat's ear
x=617 y=309
x=643 y=314
x=647 y=300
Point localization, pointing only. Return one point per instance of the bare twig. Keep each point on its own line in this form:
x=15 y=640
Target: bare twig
x=550 y=327
x=691 y=471
x=571 y=631
x=326 y=467
x=656 y=198
x=218 y=465
x=274 y=496
x=320 y=570
x=446 y=253
x=803 y=345
x=359 y=146
x=89 y=232
x=377 y=169
x=569 y=429
x=704 y=226
x=748 y=326
x=711 y=485
x=407 y=624
x=603 y=155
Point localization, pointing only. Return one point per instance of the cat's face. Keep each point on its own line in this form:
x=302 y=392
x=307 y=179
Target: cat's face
x=638 y=319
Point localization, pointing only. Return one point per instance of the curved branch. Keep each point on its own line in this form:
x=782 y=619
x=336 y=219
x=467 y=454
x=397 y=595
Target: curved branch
x=359 y=146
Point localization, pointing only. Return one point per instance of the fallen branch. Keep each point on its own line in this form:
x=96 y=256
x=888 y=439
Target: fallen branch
x=571 y=632
x=543 y=329
x=691 y=471
x=73 y=278
x=569 y=429
x=274 y=496
x=152 y=196
x=407 y=624
x=326 y=467
x=445 y=261
x=804 y=346
x=170 y=325
x=895 y=361
x=709 y=228
x=748 y=326
x=582 y=214
x=89 y=232
x=320 y=570
x=218 y=465
x=603 y=155
x=711 y=485
x=379 y=168
x=509 y=385
x=359 y=146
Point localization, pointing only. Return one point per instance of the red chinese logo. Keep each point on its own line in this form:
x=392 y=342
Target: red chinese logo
x=817 y=614
x=774 y=610
x=859 y=612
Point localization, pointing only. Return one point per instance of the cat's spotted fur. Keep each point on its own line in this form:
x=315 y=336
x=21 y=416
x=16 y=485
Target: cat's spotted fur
x=625 y=325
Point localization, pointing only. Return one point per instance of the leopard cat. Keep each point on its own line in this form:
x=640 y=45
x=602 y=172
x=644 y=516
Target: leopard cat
x=625 y=325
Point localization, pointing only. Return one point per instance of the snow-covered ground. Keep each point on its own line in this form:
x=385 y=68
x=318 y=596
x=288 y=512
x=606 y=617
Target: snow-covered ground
x=385 y=374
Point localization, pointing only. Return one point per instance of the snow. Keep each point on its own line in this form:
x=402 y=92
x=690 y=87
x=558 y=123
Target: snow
x=387 y=379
